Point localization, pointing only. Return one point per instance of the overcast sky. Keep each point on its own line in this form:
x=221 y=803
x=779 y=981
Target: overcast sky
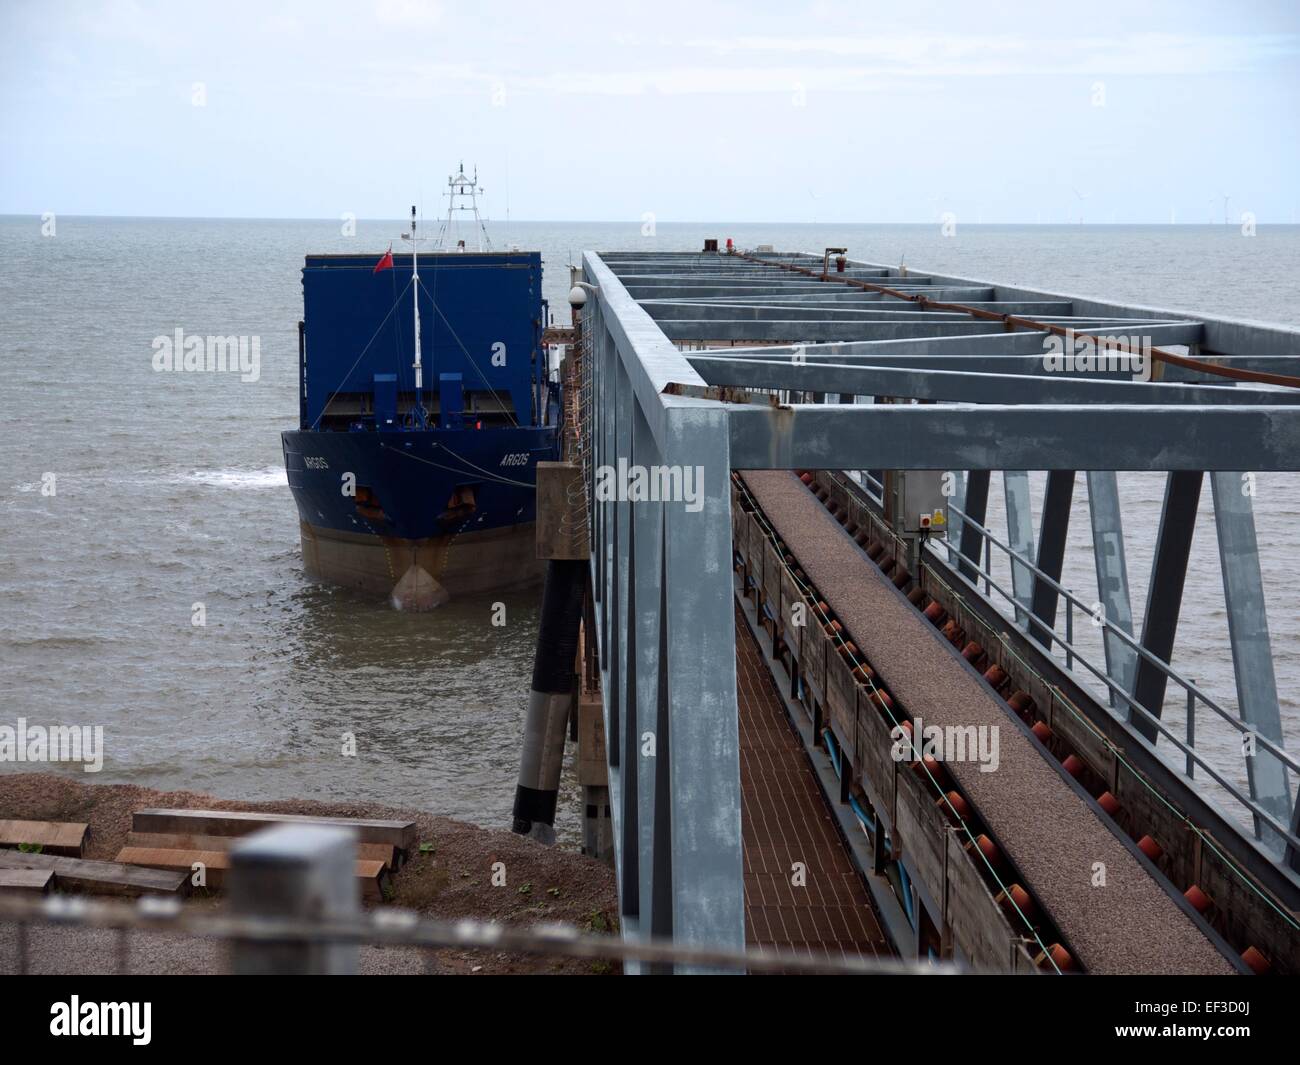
x=784 y=112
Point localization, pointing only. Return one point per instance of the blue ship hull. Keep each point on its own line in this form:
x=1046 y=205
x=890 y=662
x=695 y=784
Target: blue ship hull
x=421 y=491
x=421 y=515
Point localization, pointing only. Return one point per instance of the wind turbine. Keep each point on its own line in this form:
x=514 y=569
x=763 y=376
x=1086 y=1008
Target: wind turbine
x=1081 y=196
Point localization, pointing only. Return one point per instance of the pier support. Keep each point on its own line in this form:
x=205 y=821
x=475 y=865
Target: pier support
x=1052 y=532
x=975 y=503
x=959 y=501
x=1252 y=653
x=697 y=692
x=1165 y=594
x=1112 y=577
x=550 y=701
x=1020 y=538
x=645 y=728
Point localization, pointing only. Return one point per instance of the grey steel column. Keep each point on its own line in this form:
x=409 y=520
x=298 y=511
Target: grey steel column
x=1052 y=531
x=610 y=614
x=1112 y=577
x=662 y=892
x=622 y=744
x=644 y=661
x=975 y=504
x=1252 y=654
x=701 y=712
x=1293 y=855
x=599 y=354
x=1165 y=593
x=1020 y=538
x=958 y=500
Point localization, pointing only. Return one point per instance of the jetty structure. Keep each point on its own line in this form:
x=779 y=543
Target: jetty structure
x=821 y=706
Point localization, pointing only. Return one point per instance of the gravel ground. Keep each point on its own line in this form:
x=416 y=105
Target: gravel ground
x=1129 y=926
x=453 y=881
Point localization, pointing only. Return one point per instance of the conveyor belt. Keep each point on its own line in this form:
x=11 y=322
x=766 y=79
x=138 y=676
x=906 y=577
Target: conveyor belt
x=1131 y=925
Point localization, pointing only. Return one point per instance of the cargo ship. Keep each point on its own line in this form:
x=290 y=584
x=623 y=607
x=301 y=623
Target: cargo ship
x=425 y=404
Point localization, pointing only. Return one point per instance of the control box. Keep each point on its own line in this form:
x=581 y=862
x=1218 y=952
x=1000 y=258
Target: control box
x=922 y=504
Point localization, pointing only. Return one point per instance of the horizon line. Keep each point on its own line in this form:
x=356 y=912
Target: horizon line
x=38 y=215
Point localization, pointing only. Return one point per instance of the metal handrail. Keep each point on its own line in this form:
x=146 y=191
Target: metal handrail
x=1108 y=626
x=1188 y=749
x=391 y=927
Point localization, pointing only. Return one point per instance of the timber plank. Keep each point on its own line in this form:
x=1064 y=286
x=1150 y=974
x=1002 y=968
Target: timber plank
x=103 y=878
x=25 y=881
x=372 y=873
x=54 y=837
x=400 y=834
x=171 y=841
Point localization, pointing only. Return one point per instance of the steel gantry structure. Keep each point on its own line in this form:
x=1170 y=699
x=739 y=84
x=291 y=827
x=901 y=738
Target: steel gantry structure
x=696 y=365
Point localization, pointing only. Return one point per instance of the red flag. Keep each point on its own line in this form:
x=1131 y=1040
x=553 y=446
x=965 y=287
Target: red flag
x=386 y=263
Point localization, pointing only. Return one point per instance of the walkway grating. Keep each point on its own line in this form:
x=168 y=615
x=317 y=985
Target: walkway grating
x=785 y=821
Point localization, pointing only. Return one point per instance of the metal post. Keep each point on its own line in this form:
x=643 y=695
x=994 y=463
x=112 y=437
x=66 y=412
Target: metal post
x=622 y=677
x=1069 y=631
x=1020 y=538
x=1252 y=653
x=700 y=707
x=1053 y=529
x=299 y=871
x=988 y=566
x=643 y=622
x=1112 y=576
x=976 y=506
x=959 y=500
x=1165 y=594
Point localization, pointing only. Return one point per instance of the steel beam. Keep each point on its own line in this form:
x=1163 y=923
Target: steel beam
x=622 y=677
x=950 y=436
x=1112 y=577
x=1252 y=652
x=1220 y=335
x=959 y=499
x=965 y=358
x=1020 y=538
x=644 y=621
x=656 y=362
x=702 y=718
x=970 y=386
x=1053 y=528
x=676 y=809
x=864 y=310
x=984 y=344
x=1165 y=594
x=838 y=296
x=904 y=326
x=975 y=505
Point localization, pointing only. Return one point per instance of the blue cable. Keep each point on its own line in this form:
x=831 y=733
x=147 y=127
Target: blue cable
x=862 y=815
x=907 y=894
x=829 y=737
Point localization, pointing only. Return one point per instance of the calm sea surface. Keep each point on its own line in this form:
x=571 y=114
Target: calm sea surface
x=170 y=493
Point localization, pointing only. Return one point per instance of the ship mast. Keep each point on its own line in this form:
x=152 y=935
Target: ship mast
x=415 y=306
x=461 y=188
